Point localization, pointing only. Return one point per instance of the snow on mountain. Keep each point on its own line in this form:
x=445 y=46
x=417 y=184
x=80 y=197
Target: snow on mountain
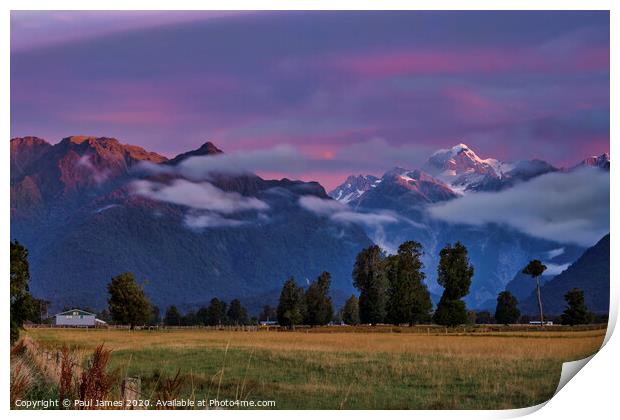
x=353 y=187
x=465 y=171
x=601 y=161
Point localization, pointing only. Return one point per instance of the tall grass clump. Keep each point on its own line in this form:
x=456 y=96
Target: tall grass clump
x=21 y=381
x=95 y=383
x=65 y=383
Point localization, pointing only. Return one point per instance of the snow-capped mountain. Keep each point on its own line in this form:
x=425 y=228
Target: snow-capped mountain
x=460 y=166
x=401 y=188
x=465 y=171
x=497 y=252
x=461 y=170
x=353 y=187
x=601 y=161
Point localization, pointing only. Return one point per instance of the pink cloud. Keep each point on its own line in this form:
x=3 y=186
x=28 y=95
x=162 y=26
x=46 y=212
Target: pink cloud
x=396 y=63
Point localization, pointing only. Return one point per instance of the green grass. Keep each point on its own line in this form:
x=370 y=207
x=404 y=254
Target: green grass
x=350 y=370
x=327 y=381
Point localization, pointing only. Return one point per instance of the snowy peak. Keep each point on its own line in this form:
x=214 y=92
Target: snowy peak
x=412 y=180
x=401 y=188
x=460 y=167
x=464 y=170
x=354 y=187
x=457 y=161
x=601 y=161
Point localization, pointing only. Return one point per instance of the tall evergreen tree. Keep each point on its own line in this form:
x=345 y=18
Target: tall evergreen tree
x=507 y=311
x=454 y=273
x=216 y=312
x=409 y=299
x=291 y=304
x=370 y=279
x=128 y=303
x=535 y=269
x=576 y=312
x=237 y=314
x=351 y=311
x=319 y=309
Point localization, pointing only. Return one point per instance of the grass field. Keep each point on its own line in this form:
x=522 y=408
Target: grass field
x=353 y=370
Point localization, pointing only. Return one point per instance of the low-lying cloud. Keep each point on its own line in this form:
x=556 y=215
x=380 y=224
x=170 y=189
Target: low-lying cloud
x=364 y=157
x=98 y=176
x=206 y=203
x=555 y=252
x=555 y=269
x=343 y=214
x=197 y=195
x=564 y=207
x=210 y=220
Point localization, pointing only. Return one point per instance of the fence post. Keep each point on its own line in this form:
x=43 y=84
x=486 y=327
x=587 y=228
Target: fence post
x=130 y=391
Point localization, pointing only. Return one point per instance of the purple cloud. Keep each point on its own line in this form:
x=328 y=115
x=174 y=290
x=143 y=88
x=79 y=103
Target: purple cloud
x=318 y=81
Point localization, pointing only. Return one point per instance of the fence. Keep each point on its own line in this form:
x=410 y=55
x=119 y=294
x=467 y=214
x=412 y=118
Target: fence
x=152 y=327
x=50 y=361
x=382 y=328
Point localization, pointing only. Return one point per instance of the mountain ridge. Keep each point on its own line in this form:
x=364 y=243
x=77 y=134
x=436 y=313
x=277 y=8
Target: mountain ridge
x=188 y=253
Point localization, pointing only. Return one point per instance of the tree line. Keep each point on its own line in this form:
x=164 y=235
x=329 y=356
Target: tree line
x=129 y=305
x=391 y=290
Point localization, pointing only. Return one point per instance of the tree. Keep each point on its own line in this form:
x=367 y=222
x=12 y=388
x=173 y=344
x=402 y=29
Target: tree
x=318 y=304
x=369 y=278
x=268 y=314
x=104 y=315
x=202 y=315
x=351 y=311
x=237 y=314
x=291 y=304
x=189 y=319
x=576 y=312
x=507 y=311
x=408 y=298
x=127 y=302
x=484 y=317
x=216 y=312
x=454 y=273
x=22 y=304
x=172 y=317
x=155 y=316
x=535 y=269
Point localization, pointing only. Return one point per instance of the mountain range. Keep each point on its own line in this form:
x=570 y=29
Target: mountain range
x=87 y=211
x=88 y=208
x=590 y=273
x=497 y=252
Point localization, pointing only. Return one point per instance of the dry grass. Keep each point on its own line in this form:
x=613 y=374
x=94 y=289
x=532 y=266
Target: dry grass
x=21 y=380
x=340 y=369
x=67 y=366
x=534 y=345
x=95 y=382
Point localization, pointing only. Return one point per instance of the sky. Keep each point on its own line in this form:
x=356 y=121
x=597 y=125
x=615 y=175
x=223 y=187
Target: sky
x=366 y=90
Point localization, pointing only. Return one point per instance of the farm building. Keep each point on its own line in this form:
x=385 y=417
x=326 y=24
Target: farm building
x=77 y=318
